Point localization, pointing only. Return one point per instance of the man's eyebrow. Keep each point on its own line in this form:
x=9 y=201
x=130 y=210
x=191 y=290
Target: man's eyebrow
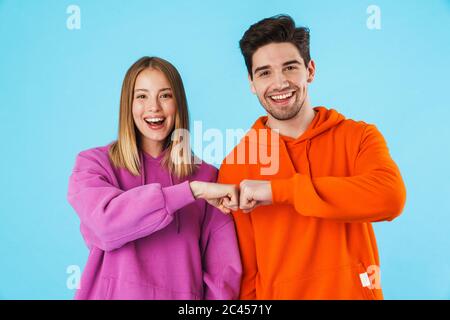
x=284 y=64
x=261 y=68
x=291 y=62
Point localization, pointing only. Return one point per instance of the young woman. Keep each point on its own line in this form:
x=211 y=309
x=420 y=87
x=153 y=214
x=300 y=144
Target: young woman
x=147 y=210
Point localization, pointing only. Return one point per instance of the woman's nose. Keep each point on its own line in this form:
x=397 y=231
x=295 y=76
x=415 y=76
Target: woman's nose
x=153 y=105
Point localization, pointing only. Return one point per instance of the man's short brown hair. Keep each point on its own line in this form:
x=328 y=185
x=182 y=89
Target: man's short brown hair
x=275 y=29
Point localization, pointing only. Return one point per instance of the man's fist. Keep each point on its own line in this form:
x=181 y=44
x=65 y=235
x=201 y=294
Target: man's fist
x=254 y=193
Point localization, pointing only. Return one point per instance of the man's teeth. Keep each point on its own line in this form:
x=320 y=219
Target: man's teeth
x=282 y=96
x=154 y=120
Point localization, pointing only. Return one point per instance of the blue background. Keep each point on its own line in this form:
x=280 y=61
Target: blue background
x=60 y=88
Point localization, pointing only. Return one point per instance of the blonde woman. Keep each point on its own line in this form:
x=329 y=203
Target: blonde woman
x=149 y=214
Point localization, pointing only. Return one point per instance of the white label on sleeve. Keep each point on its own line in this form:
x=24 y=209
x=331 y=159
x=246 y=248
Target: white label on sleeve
x=364 y=279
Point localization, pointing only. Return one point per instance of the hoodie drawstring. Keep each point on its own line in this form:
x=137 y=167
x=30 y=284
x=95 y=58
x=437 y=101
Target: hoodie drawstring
x=307 y=147
x=141 y=158
x=177 y=218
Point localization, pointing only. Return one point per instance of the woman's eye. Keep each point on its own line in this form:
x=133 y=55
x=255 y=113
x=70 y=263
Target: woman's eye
x=141 y=96
x=165 y=96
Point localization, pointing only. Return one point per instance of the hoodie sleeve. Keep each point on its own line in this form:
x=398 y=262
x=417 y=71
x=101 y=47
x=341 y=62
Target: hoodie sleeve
x=114 y=217
x=246 y=241
x=375 y=192
x=222 y=267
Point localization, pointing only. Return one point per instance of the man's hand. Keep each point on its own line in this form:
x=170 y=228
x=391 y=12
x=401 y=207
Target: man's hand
x=224 y=197
x=254 y=193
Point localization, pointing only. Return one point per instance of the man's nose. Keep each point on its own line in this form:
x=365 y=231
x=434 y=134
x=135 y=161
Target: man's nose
x=281 y=81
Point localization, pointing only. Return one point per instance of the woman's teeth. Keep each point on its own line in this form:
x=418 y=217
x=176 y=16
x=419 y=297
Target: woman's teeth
x=155 y=123
x=154 y=120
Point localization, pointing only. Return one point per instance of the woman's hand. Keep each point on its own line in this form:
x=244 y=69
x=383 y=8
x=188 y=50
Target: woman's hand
x=224 y=197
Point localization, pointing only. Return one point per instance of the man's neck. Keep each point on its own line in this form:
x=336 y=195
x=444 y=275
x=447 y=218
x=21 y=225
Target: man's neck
x=296 y=126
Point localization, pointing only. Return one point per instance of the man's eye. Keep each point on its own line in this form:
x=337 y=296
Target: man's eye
x=289 y=68
x=264 y=73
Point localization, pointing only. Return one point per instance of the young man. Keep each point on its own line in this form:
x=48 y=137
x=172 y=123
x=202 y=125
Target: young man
x=305 y=230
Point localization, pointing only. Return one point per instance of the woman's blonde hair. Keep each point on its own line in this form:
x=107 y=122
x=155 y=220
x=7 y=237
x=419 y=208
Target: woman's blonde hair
x=125 y=152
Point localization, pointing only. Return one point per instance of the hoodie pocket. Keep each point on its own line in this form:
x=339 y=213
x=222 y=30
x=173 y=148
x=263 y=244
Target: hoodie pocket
x=338 y=283
x=118 y=289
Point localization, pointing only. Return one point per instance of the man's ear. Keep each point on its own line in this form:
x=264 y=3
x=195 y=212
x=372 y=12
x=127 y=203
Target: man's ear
x=252 y=86
x=311 y=71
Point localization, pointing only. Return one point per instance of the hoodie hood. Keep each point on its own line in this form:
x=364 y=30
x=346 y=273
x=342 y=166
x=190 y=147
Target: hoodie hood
x=323 y=121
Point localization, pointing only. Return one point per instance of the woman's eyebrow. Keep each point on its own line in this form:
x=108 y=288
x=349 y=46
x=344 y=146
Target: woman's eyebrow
x=145 y=90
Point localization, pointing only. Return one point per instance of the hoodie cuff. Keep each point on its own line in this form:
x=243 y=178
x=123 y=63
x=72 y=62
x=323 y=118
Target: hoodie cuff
x=178 y=196
x=282 y=191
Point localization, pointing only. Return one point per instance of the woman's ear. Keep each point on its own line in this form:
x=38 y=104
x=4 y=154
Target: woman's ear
x=311 y=71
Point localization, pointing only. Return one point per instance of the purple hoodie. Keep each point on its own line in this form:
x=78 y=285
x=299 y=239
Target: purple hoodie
x=148 y=237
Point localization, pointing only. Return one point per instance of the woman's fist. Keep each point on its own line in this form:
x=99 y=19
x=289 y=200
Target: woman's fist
x=224 y=197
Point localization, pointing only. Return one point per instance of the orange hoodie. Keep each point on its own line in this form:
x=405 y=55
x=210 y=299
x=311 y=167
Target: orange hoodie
x=316 y=240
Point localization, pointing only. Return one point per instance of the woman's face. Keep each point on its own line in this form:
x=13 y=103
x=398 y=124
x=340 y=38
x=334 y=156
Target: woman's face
x=154 y=107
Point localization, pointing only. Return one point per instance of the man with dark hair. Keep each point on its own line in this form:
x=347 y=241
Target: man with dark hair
x=305 y=230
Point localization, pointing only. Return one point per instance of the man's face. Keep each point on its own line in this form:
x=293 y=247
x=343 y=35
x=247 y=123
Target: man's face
x=280 y=79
